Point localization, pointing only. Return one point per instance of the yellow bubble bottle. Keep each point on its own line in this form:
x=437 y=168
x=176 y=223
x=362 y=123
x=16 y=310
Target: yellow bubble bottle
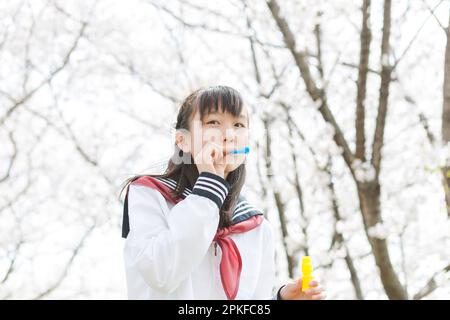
x=306 y=272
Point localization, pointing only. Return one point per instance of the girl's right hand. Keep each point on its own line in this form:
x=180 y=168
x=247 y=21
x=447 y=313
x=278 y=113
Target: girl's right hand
x=293 y=291
x=210 y=159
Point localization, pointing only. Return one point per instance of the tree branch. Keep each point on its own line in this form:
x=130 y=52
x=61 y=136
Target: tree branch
x=66 y=59
x=209 y=28
x=12 y=159
x=431 y=284
x=413 y=39
x=365 y=39
x=316 y=94
x=386 y=70
x=65 y=272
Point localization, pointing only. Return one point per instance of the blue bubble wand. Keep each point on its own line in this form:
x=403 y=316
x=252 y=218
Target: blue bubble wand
x=244 y=150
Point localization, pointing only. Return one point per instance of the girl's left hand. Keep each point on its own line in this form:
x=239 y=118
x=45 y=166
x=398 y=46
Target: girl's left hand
x=293 y=291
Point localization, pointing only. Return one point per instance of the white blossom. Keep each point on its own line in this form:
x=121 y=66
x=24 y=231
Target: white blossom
x=329 y=129
x=443 y=155
x=385 y=60
x=364 y=171
x=319 y=84
x=340 y=227
x=335 y=150
x=317 y=104
x=378 y=231
x=293 y=243
x=441 y=279
x=322 y=178
x=340 y=253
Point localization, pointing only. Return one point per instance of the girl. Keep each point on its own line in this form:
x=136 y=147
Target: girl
x=189 y=232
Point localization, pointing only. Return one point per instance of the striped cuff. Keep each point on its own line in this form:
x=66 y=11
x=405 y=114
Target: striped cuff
x=278 y=296
x=211 y=186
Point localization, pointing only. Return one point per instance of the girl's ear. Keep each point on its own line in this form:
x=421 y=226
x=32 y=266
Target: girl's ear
x=183 y=141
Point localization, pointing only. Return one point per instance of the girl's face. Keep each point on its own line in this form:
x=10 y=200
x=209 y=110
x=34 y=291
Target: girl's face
x=225 y=130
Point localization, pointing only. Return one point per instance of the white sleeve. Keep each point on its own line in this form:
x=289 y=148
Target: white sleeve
x=266 y=280
x=166 y=247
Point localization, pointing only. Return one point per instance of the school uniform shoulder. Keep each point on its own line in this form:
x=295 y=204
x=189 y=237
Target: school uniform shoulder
x=245 y=210
x=145 y=209
x=147 y=189
x=207 y=185
x=139 y=192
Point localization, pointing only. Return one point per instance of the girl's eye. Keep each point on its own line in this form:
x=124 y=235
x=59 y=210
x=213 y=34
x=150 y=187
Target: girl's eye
x=213 y=122
x=240 y=125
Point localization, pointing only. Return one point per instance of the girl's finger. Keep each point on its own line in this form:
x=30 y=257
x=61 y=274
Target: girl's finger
x=314 y=291
x=219 y=159
x=298 y=284
x=320 y=296
x=313 y=283
x=209 y=152
x=217 y=149
x=204 y=155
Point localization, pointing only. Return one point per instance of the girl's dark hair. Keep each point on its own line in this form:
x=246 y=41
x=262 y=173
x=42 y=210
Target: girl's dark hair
x=185 y=173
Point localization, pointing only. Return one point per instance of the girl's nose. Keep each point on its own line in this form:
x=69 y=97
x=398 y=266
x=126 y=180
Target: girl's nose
x=229 y=135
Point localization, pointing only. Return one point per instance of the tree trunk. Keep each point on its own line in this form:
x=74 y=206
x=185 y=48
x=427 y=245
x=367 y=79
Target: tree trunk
x=369 y=198
x=446 y=119
x=339 y=237
x=277 y=197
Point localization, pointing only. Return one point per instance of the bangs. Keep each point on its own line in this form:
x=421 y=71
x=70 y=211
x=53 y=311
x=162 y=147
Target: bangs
x=220 y=99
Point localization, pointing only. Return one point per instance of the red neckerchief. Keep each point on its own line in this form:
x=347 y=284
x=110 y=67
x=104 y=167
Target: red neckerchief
x=231 y=262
